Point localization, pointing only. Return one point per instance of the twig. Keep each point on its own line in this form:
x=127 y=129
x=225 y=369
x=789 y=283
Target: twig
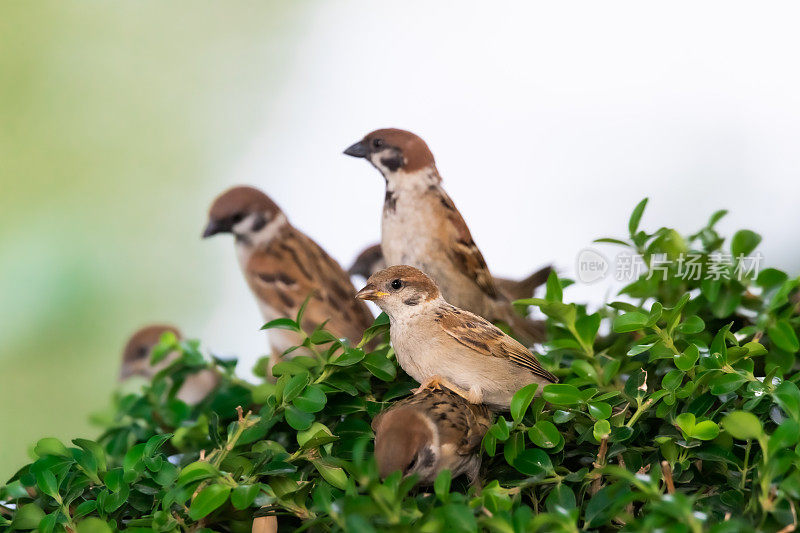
x=597 y=482
x=667 y=471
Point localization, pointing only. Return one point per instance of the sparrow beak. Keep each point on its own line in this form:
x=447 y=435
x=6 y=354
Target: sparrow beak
x=214 y=227
x=359 y=149
x=370 y=293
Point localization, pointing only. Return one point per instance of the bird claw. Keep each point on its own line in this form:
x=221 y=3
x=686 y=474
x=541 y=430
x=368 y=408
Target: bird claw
x=434 y=383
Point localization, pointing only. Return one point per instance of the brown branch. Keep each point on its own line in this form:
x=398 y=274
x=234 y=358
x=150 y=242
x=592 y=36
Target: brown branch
x=667 y=472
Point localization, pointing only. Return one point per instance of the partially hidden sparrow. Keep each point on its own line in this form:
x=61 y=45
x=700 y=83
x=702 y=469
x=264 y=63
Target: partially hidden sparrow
x=437 y=342
x=283 y=267
x=422 y=227
x=371 y=260
x=428 y=432
x=136 y=362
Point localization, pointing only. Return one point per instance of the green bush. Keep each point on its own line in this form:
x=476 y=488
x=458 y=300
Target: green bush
x=680 y=412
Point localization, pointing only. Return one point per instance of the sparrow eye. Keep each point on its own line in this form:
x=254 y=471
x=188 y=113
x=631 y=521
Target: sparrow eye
x=396 y=284
x=142 y=352
x=238 y=217
x=377 y=143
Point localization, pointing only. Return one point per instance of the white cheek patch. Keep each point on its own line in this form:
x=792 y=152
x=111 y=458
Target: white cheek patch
x=264 y=235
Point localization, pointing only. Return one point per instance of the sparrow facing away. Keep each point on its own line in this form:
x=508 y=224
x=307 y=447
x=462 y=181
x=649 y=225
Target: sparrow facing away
x=283 y=267
x=428 y=432
x=136 y=362
x=370 y=260
x=422 y=227
x=438 y=342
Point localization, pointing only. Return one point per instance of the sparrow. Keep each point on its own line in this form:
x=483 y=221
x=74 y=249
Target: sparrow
x=136 y=362
x=429 y=432
x=370 y=260
x=422 y=227
x=283 y=267
x=436 y=342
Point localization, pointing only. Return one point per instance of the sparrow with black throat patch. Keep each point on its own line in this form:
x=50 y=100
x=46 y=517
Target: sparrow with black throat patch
x=136 y=362
x=428 y=432
x=436 y=342
x=283 y=267
x=422 y=227
x=371 y=260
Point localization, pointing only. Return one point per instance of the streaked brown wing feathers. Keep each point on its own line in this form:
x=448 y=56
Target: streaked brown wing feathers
x=486 y=339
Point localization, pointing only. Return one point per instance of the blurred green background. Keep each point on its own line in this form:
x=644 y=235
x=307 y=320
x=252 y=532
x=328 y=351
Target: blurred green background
x=114 y=118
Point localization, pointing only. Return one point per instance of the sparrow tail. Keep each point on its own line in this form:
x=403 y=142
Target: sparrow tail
x=519 y=289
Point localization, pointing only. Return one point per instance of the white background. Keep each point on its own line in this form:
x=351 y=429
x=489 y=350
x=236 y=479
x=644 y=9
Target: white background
x=548 y=122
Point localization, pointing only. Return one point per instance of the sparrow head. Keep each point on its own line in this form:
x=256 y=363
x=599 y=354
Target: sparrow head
x=398 y=289
x=244 y=211
x=369 y=261
x=405 y=440
x=392 y=151
x=136 y=355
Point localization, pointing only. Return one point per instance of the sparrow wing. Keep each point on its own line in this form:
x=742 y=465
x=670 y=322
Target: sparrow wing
x=463 y=250
x=485 y=338
x=293 y=268
x=460 y=422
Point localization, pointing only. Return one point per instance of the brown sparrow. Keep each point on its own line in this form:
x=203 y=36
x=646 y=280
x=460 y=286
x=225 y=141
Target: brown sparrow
x=370 y=260
x=283 y=267
x=428 y=432
x=136 y=362
x=422 y=227
x=436 y=341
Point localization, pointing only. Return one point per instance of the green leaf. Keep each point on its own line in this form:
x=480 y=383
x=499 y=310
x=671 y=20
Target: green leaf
x=50 y=446
x=744 y=242
x=587 y=327
x=379 y=366
x=28 y=516
x=783 y=335
x=243 y=496
x=154 y=443
x=317 y=435
x=197 y=471
x=630 y=322
x=282 y=323
x=686 y=360
x=441 y=485
x=705 y=430
x=561 y=500
x=208 y=500
x=312 y=400
x=47 y=483
x=787 y=396
x=727 y=383
x=743 y=425
x=693 y=324
x=348 y=357
x=636 y=349
x=601 y=429
x=554 y=292
x=599 y=410
x=562 y=394
x=298 y=419
x=636 y=216
x=95 y=449
x=460 y=518
x=533 y=462
x=331 y=473
x=544 y=434
x=295 y=386
x=521 y=400
x=500 y=429
x=94 y=525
